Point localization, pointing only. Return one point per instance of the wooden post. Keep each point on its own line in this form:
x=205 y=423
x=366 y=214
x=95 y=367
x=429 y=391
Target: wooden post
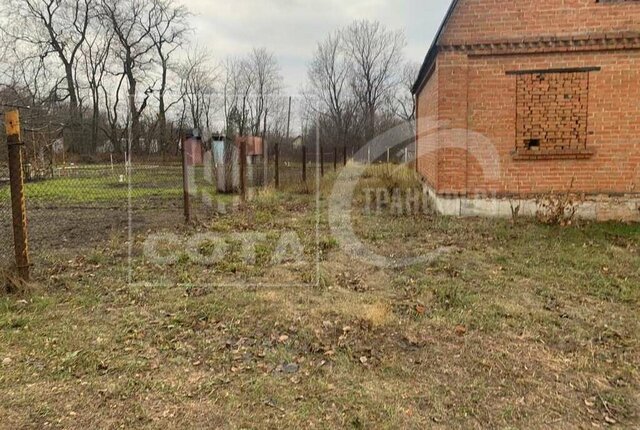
x=286 y=142
x=304 y=163
x=335 y=158
x=289 y=120
x=265 y=151
x=185 y=181
x=18 y=205
x=277 y=154
x=321 y=160
x=243 y=168
x=388 y=155
x=344 y=155
x=265 y=163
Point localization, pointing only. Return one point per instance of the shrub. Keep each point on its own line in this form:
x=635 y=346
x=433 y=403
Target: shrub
x=558 y=209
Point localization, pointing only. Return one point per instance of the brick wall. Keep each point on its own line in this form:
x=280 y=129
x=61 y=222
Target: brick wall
x=489 y=20
x=613 y=129
x=551 y=111
x=452 y=122
x=427 y=131
x=479 y=127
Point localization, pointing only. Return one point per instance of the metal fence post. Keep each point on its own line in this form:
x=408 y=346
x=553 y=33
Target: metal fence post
x=277 y=154
x=335 y=158
x=243 y=169
x=18 y=205
x=321 y=160
x=344 y=155
x=185 y=181
x=304 y=164
x=265 y=160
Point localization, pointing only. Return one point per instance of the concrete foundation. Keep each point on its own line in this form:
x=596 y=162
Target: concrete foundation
x=598 y=207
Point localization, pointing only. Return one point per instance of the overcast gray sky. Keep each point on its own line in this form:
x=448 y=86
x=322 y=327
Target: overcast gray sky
x=292 y=28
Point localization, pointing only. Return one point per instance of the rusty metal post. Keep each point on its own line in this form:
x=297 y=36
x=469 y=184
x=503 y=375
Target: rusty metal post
x=185 y=181
x=304 y=164
x=18 y=205
x=277 y=154
x=243 y=168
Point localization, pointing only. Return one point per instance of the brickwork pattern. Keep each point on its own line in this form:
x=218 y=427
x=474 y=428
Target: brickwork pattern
x=552 y=111
x=477 y=101
x=477 y=21
x=427 y=132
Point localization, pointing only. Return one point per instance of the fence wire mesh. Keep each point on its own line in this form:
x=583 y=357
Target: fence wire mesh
x=6 y=234
x=77 y=202
x=74 y=204
x=214 y=179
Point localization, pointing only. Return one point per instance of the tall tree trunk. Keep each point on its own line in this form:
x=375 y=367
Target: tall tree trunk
x=74 y=133
x=133 y=115
x=162 y=115
x=95 y=120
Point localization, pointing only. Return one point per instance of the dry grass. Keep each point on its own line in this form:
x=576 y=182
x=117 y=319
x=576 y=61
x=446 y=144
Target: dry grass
x=10 y=283
x=526 y=326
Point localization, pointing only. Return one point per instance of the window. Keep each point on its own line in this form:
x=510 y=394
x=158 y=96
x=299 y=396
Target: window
x=552 y=112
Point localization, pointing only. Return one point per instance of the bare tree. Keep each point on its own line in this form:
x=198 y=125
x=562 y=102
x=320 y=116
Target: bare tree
x=95 y=58
x=111 y=98
x=231 y=93
x=169 y=29
x=198 y=77
x=56 y=27
x=374 y=53
x=131 y=22
x=246 y=87
x=404 y=104
x=328 y=87
x=263 y=67
x=251 y=86
x=31 y=75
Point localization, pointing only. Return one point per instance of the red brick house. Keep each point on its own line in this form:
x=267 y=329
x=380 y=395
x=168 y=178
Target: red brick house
x=519 y=98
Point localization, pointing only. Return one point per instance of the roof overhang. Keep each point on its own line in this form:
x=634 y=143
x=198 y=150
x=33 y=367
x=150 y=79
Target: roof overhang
x=432 y=55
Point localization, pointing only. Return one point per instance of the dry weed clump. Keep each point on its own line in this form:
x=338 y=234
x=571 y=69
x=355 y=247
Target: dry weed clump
x=11 y=284
x=558 y=209
x=392 y=177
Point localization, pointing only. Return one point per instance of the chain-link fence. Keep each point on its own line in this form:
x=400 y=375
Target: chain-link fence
x=216 y=170
x=300 y=162
x=79 y=200
x=5 y=207
x=77 y=205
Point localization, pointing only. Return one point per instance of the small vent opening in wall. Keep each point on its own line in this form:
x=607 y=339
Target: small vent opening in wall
x=533 y=144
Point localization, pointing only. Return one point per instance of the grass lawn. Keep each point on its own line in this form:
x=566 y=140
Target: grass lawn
x=101 y=185
x=520 y=326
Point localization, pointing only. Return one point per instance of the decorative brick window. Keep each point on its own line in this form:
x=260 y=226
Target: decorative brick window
x=552 y=110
